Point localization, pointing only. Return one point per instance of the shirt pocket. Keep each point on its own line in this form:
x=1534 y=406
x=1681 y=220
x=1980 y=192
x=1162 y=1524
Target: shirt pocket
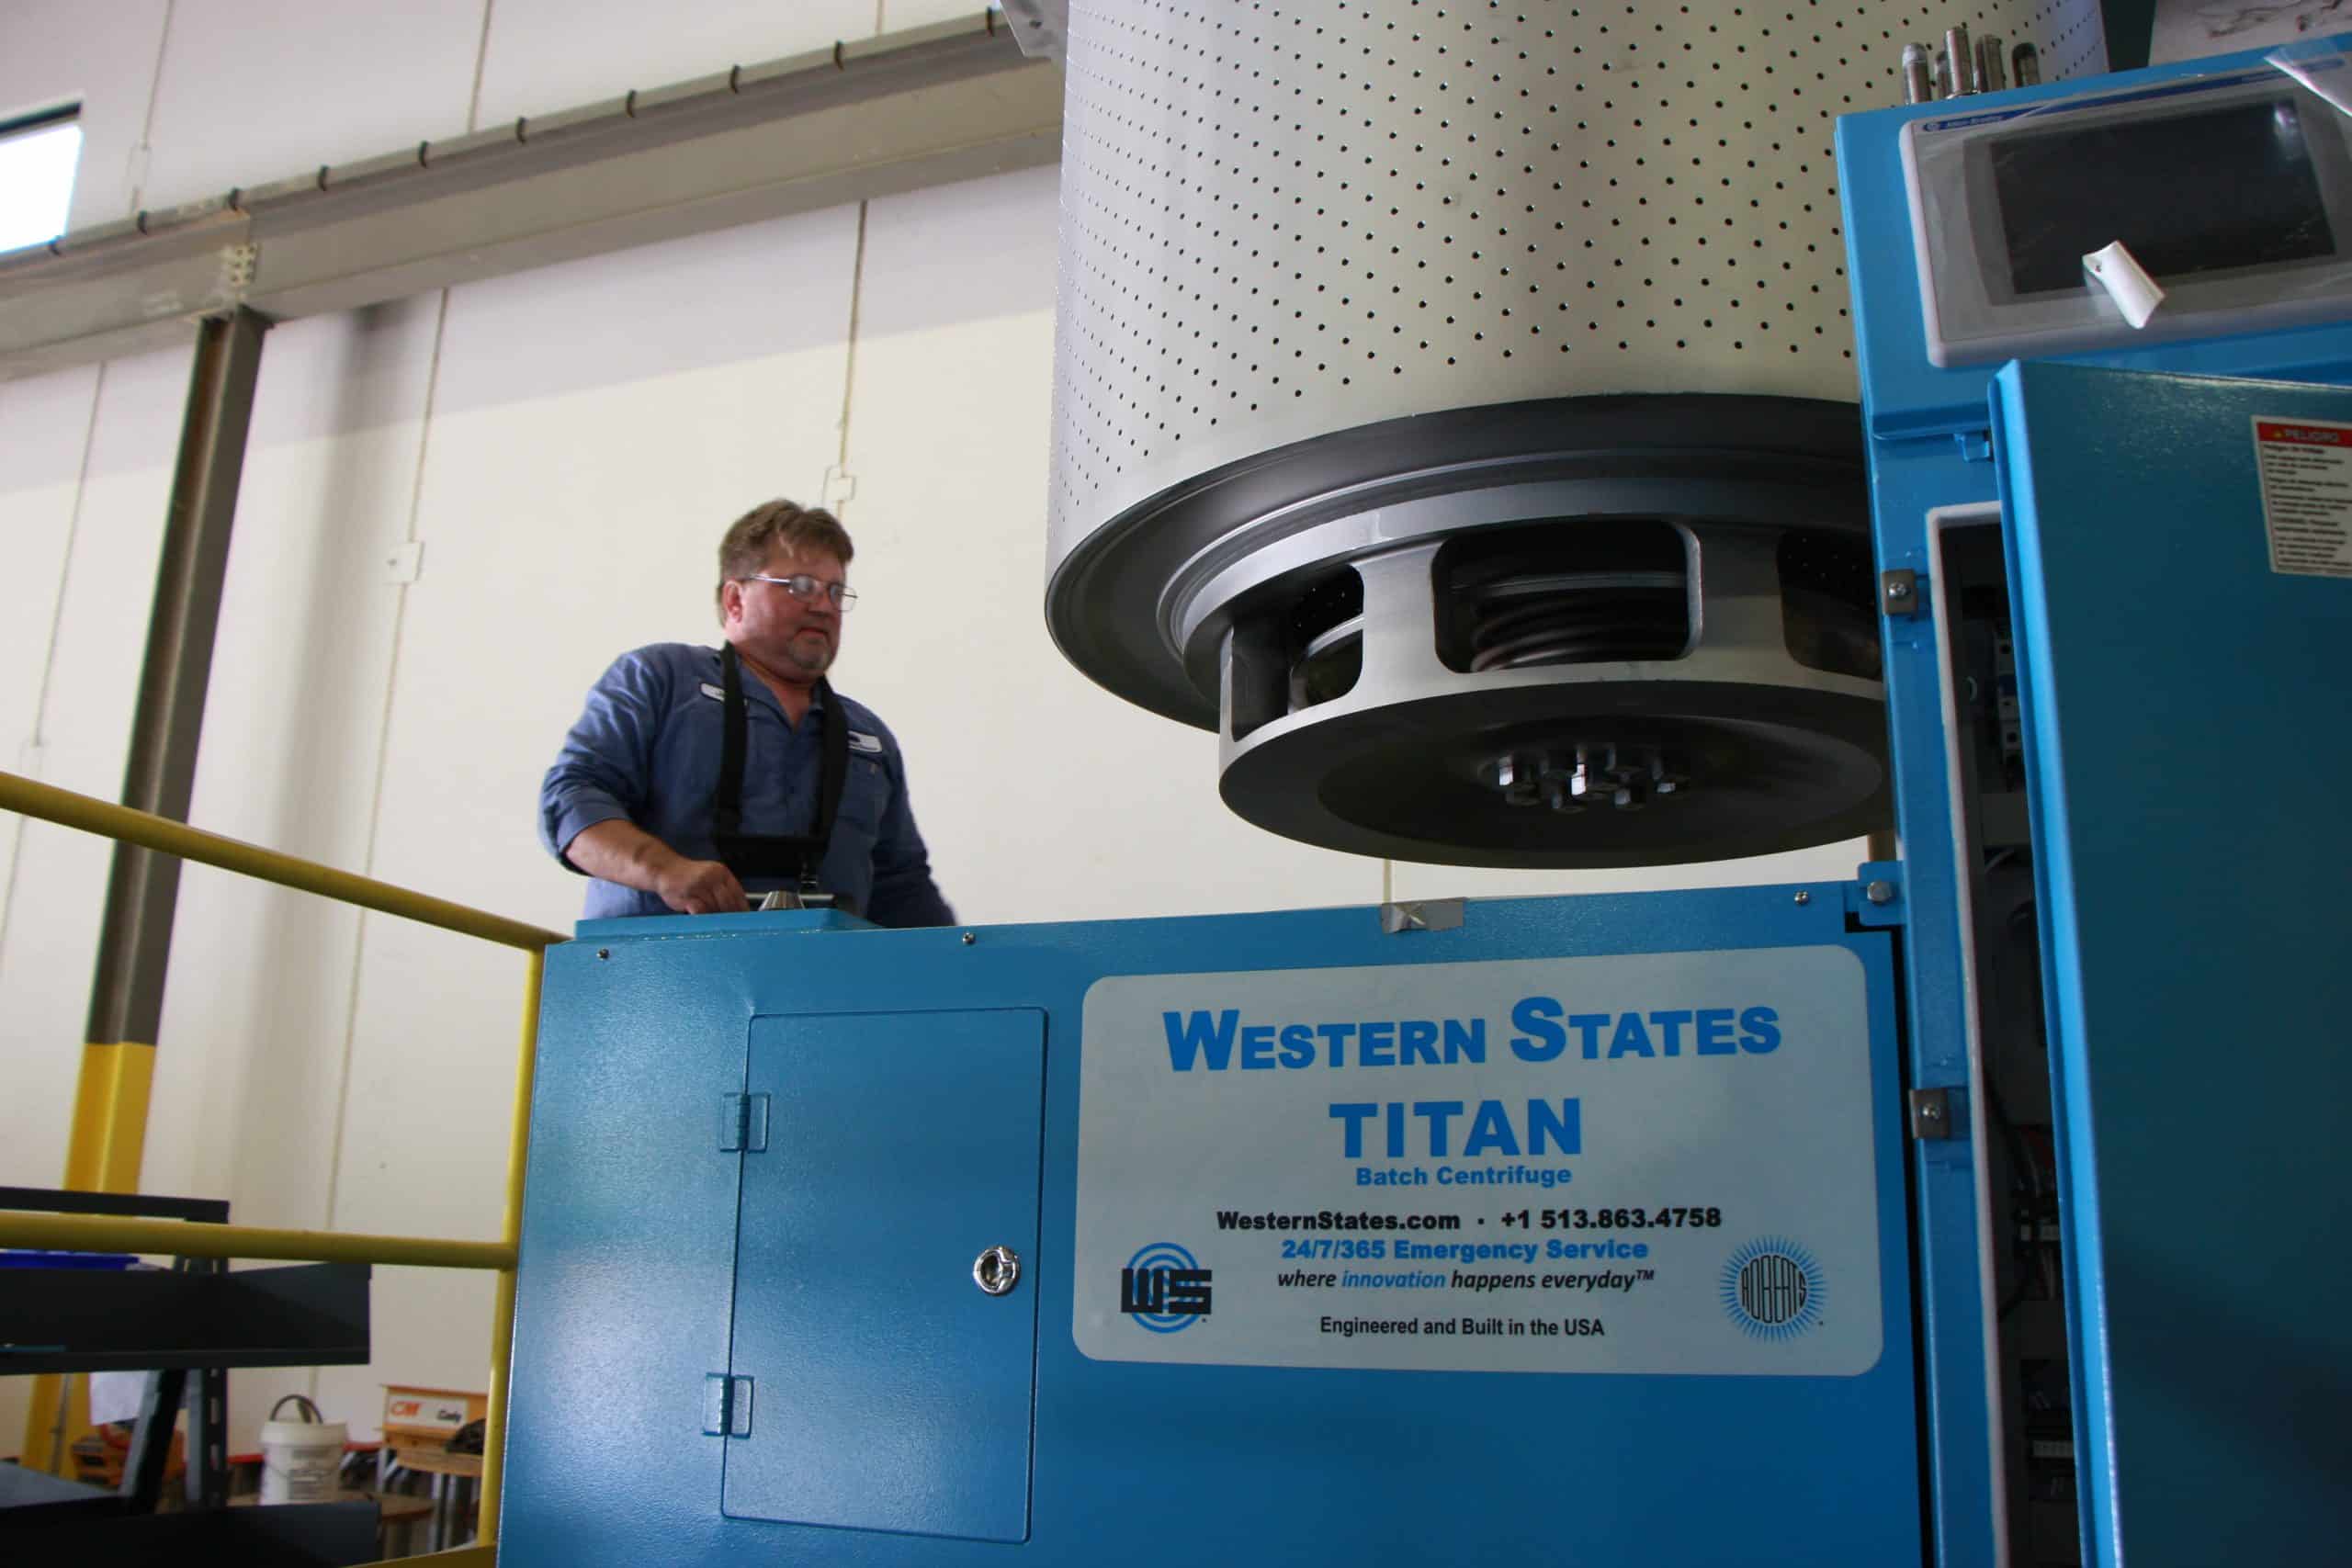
x=866 y=794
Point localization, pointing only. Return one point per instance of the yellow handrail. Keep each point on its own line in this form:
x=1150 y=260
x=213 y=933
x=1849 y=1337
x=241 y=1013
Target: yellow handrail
x=92 y=1232
x=110 y=820
x=184 y=1238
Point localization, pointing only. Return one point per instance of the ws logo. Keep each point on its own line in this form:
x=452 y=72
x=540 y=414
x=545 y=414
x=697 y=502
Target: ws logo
x=1163 y=1288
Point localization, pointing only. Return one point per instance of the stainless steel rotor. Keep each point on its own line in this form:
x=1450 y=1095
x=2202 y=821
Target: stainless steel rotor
x=1446 y=392
x=1579 y=632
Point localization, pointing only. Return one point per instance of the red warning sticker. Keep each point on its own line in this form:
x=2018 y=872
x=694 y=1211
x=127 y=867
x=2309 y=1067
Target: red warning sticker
x=2306 y=468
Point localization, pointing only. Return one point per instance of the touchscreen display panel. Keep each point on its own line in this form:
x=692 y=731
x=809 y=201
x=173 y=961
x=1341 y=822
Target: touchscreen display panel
x=2188 y=193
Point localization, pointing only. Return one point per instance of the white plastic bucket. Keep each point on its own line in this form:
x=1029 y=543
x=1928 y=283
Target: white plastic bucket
x=300 y=1460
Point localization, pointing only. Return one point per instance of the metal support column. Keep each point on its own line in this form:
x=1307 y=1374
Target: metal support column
x=109 y=1130
x=127 y=999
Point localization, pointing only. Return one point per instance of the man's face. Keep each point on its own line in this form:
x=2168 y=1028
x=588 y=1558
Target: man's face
x=790 y=635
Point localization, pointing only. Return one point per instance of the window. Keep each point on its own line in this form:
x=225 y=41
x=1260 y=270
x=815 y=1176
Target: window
x=38 y=155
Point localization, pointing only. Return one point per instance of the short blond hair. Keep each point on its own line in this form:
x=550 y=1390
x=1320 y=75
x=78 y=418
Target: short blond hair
x=754 y=537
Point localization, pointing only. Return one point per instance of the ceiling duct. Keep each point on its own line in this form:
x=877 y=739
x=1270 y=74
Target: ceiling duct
x=1455 y=411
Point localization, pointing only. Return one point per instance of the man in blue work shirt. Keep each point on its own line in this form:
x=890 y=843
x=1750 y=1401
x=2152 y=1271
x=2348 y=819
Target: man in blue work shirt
x=698 y=779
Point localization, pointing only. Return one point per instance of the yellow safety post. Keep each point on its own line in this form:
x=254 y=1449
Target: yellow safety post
x=502 y=1328
x=102 y=1155
x=109 y=1117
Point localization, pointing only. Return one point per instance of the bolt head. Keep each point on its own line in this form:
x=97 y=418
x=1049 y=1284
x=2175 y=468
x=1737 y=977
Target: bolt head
x=969 y=939
x=1898 y=590
x=1880 y=892
x=1804 y=898
x=1931 y=1111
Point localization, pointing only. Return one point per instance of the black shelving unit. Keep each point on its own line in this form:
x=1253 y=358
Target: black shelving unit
x=186 y=1327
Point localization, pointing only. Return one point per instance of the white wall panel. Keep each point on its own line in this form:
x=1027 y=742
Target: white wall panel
x=1044 y=798
x=430 y=1327
x=597 y=427
x=249 y=1073
x=558 y=54
x=255 y=90
x=51 y=52
x=58 y=878
x=44 y=425
x=44 y=428
x=61 y=874
x=897 y=16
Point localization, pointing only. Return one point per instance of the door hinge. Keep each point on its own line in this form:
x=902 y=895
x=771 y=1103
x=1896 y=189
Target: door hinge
x=1934 y=1113
x=726 y=1405
x=742 y=1124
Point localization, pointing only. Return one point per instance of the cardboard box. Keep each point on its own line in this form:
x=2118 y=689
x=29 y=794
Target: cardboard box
x=428 y=1417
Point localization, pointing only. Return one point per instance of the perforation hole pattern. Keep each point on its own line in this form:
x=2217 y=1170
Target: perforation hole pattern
x=1282 y=218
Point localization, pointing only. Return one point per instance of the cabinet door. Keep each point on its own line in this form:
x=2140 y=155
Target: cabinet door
x=889 y=1391
x=2182 y=589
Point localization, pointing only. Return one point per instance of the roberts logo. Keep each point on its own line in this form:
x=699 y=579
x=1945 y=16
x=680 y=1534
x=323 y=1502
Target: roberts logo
x=1772 y=1288
x=1163 y=1288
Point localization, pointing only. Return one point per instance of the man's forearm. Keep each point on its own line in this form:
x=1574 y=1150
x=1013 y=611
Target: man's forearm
x=620 y=851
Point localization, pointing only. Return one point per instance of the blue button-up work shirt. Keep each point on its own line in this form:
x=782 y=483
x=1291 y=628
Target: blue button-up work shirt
x=646 y=749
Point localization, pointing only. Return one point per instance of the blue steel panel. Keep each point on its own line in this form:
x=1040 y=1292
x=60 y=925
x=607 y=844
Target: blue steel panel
x=894 y=1395
x=1909 y=479
x=2188 y=740
x=1907 y=483
x=1929 y=451
x=778 y=922
x=623 y=1302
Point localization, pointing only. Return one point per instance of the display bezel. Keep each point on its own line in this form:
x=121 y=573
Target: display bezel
x=1973 y=313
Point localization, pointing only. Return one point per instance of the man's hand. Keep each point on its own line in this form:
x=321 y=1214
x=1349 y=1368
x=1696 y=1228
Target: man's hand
x=623 y=853
x=700 y=887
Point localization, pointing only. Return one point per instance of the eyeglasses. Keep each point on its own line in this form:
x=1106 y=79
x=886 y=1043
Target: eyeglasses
x=805 y=588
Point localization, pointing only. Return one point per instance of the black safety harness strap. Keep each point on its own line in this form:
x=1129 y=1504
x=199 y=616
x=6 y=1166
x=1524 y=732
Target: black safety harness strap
x=786 y=856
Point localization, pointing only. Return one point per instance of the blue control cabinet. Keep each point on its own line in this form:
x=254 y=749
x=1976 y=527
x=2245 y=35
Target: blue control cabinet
x=2185 y=923
x=767 y=1151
